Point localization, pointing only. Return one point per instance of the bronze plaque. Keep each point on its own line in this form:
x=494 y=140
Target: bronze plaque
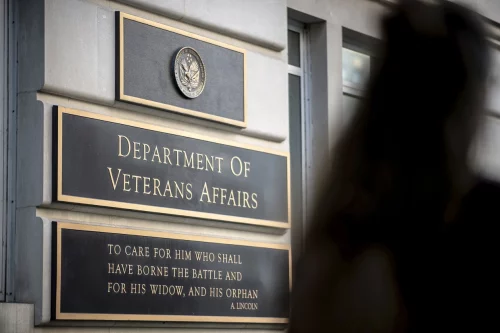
x=111 y=162
x=105 y=273
x=213 y=87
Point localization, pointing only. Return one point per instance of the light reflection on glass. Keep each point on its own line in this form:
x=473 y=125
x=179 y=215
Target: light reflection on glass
x=355 y=68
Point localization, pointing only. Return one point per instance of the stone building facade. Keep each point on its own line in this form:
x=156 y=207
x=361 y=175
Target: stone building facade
x=302 y=73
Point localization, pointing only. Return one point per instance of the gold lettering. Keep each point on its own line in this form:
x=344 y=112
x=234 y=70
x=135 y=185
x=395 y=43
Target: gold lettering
x=197 y=291
x=113 y=181
x=156 y=154
x=215 y=193
x=167 y=188
x=240 y=166
x=254 y=201
x=136 y=182
x=189 y=194
x=209 y=163
x=114 y=249
x=231 y=197
x=179 y=190
x=223 y=192
x=146 y=151
x=188 y=163
x=136 y=150
x=166 y=156
x=245 y=306
x=126 y=181
x=116 y=287
x=247 y=168
x=120 y=137
x=215 y=292
x=136 y=251
x=146 y=185
x=205 y=192
x=245 y=200
x=162 y=253
x=199 y=161
x=156 y=186
x=177 y=152
x=234 y=276
x=219 y=160
x=138 y=288
x=182 y=255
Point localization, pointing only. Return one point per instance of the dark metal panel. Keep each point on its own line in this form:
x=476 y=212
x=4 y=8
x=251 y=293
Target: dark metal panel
x=108 y=162
x=146 y=53
x=121 y=274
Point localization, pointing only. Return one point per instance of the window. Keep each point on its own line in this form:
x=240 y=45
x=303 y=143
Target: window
x=358 y=63
x=493 y=98
x=8 y=118
x=4 y=119
x=355 y=74
x=355 y=71
x=3 y=145
x=297 y=82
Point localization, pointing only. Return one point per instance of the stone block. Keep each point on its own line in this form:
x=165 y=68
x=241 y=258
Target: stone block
x=33 y=263
x=80 y=50
x=267 y=97
x=174 y=9
x=260 y=22
x=30 y=150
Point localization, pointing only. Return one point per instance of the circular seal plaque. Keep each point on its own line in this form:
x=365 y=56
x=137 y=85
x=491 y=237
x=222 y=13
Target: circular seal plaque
x=189 y=72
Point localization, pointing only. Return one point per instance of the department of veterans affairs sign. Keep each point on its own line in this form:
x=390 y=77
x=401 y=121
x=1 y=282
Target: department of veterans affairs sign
x=116 y=163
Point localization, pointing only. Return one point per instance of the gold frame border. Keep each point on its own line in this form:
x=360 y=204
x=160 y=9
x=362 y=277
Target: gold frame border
x=170 y=318
x=163 y=210
x=173 y=108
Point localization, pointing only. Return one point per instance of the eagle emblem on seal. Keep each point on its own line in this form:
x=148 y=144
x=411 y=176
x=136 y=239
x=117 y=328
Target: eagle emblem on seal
x=189 y=72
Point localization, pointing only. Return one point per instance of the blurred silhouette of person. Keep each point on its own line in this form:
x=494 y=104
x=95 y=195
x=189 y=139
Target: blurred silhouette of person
x=402 y=238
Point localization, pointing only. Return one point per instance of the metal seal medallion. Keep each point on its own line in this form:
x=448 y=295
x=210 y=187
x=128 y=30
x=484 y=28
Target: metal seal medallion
x=189 y=72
